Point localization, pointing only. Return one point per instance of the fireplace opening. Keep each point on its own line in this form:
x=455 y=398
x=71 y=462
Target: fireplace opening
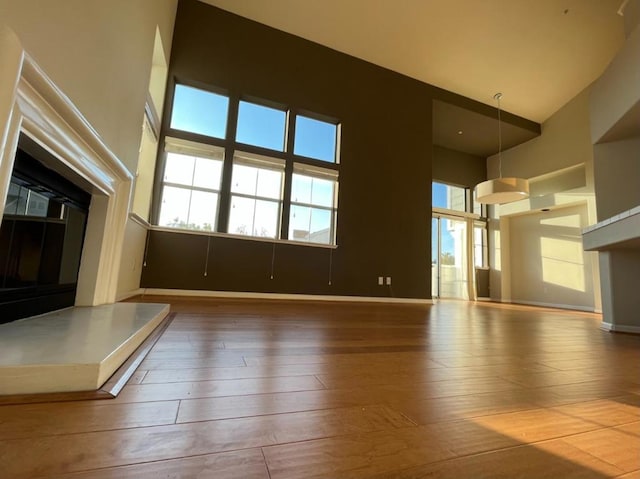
x=41 y=237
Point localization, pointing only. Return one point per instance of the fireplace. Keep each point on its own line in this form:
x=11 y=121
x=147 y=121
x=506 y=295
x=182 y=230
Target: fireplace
x=41 y=237
x=40 y=125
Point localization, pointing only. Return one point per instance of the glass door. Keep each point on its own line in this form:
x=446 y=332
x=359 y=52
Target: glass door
x=435 y=258
x=449 y=253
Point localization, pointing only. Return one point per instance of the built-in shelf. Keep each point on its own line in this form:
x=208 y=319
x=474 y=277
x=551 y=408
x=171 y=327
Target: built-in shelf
x=618 y=232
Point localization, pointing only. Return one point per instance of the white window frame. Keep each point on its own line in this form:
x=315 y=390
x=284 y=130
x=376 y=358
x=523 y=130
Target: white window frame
x=198 y=150
x=324 y=174
x=261 y=162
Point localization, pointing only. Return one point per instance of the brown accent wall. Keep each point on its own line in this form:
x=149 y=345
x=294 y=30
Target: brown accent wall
x=384 y=205
x=458 y=168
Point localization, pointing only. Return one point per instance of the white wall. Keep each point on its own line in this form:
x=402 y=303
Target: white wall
x=564 y=142
x=135 y=237
x=559 y=164
x=99 y=53
x=548 y=264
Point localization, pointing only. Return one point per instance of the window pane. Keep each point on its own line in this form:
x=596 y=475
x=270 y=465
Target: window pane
x=241 y=215
x=448 y=197
x=208 y=173
x=320 y=226
x=199 y=111
x=480 y=246
x=266 y=219
x=315 y=139
x=37 y=205
x=13 y=195
x=203 y=210
x=174 y=211
x=301 y=189
x=261 y=126
x=179 y=169
x=316 y=191
x=269 y=184
x=312 y=225
x=299 y=223
x=244 y=179
x=322 y=192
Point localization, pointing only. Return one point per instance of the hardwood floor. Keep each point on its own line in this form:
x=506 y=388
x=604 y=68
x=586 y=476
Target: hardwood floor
x=279 y=390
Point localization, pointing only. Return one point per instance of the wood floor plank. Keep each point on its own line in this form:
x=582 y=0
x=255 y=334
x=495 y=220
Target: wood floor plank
x=605 y=412
x=209 y=409
x=365 y=455
x=210 y=362
x=535 y=425
x=245 y=464
x=573 y=393
x=246 y=372
x=365 y=359
x=556 y=460
x=227 y=387
x=55 y=419
x=619 y=446
x=453 y=408
x=631 y=475
x=27 y=458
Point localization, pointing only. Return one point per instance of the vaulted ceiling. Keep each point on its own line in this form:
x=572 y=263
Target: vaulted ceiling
x=538 y=53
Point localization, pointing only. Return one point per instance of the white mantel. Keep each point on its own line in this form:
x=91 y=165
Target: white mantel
x=32 y=104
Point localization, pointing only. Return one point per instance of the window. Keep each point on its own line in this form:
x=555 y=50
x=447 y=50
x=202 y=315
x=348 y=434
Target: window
x=23 y=201
x=256 y=195
x=480 y=247
x=191 y=185
x=448 y=197
x=315 y=139
x=313 y=204
x=479 y=208
x=249 y=182
x=261 y=126
x=199 y=111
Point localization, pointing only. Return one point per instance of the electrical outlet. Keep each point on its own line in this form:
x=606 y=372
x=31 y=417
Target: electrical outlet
x=388 y=280
x=380 y=281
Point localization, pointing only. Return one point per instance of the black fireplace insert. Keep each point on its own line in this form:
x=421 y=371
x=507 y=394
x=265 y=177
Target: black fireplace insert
x=41 y=237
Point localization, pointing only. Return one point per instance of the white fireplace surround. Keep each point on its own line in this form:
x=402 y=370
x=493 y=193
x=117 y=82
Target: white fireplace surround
x=32 y=104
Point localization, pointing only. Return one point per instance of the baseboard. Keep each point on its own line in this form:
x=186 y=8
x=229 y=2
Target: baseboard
x=281 y=296
x=573 y=307
x=620 y=328
x=129 y=294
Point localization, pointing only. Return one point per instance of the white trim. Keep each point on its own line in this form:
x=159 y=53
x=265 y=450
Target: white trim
x=293 y=297
x=166 y=229
x=37 y=107
x=315 y=171
x=453 y=214
x=258 y=161
x=136 y=218
x=192 y=148
x=615 y=328
x=129 y=294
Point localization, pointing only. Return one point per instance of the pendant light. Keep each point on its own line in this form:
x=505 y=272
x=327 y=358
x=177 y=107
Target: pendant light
x=501 y=190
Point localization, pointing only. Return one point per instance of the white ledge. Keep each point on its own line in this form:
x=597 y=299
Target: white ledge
x=621 y=230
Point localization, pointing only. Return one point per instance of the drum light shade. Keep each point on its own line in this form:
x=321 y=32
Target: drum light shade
x=502 y=190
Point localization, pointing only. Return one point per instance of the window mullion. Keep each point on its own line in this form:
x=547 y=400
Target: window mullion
x=227 y=166
x=288 y=175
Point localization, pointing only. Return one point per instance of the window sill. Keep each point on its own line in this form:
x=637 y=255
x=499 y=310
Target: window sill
x=216 y=234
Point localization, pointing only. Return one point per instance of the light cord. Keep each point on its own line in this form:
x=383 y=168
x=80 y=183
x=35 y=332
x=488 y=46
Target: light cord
x=497 y=96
